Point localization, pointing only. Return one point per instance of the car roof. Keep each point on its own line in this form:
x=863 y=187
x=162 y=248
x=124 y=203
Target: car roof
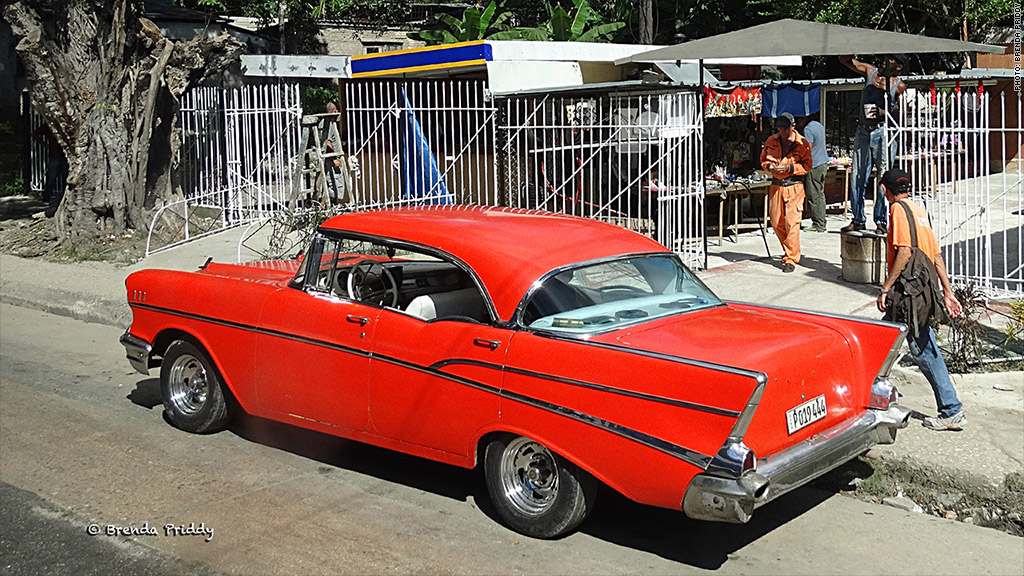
x=508 y=248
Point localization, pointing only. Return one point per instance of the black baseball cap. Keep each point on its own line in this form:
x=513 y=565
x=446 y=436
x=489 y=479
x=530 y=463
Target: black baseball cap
x=901 y=59
x=895 y=180
x=785 y=120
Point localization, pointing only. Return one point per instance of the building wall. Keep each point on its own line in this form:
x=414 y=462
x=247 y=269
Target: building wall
x=342 y=41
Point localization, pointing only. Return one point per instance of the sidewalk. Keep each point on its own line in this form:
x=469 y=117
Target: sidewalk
x=991 y=446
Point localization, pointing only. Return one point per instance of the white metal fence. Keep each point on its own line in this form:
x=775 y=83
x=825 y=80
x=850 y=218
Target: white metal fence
x=238 y=161
x=422 y=142
x=633 y=160
x=957 y=145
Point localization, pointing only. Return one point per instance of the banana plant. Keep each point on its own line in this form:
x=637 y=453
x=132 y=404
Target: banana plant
x=474 y=25
x=581 y=24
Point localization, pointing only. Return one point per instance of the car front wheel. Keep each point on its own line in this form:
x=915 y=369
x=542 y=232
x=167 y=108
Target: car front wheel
x=191 y=390
x=535 y=491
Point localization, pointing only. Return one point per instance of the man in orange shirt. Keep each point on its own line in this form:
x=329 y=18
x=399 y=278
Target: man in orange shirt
x=787 y=157
x=896 y=184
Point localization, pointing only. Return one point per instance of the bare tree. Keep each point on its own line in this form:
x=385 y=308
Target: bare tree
x=108 y=84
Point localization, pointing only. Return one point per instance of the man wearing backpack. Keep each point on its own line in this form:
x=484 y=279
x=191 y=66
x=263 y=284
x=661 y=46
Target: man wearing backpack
x=910 y=293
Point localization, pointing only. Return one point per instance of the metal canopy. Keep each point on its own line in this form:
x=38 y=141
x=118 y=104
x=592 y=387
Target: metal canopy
x=801 y=38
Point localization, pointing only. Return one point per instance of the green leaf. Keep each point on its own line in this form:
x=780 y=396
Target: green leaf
x=561 y=25
x=601 y=32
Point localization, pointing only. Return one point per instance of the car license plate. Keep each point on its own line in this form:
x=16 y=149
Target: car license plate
x=806 y=413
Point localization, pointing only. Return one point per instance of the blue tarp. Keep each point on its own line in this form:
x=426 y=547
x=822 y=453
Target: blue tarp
x=422 y=178
x=797 y=99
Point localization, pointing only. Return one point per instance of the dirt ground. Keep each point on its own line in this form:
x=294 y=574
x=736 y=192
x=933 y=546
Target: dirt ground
x=26 y=232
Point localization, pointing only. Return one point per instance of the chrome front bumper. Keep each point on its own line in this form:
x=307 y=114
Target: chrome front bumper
x=137 y=351
x=721 y=499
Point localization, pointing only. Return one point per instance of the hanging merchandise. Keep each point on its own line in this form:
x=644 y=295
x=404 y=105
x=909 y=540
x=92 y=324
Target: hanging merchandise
x=737 y=101
x=797 y=99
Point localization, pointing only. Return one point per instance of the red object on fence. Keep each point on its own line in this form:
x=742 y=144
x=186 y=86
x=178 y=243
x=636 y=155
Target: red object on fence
x=931 y=88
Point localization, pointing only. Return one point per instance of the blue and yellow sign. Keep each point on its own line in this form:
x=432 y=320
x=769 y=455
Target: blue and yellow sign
x=398 y=62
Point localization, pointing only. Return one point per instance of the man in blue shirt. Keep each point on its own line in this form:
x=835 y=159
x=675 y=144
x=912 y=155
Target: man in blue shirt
x=814 y=181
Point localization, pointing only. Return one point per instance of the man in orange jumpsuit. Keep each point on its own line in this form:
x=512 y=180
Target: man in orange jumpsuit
x=787 y=157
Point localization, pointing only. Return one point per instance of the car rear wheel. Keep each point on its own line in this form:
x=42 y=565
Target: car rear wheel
x=191 y=390
x=535 y=491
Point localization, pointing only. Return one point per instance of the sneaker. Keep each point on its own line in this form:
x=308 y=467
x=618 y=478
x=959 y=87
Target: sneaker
x=787 y=267
x=881 y=229
x=954 y=422
x=853 y=227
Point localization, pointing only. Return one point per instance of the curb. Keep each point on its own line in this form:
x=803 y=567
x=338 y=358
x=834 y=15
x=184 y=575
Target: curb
x=87 y=308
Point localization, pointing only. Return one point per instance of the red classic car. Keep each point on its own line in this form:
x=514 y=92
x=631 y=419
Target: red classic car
x=555 y=352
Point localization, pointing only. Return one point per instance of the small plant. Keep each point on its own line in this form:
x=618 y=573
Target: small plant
x=1015 y=328
x=964 y=339
x=12 y=187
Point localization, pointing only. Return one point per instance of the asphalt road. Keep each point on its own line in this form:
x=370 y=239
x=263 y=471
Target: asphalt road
x=83 y=442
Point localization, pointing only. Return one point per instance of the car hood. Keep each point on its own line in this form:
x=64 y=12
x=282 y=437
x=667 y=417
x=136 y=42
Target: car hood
x=271 y=271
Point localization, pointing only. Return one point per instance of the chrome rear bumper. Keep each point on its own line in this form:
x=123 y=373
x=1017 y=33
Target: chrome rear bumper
x=137 y=351
x=733 y=500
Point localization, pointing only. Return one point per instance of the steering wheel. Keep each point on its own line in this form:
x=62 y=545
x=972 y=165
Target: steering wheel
x=370 y=282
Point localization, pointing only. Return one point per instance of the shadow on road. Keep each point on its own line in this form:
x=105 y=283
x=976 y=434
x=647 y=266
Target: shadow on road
x=616 y=519
x=427 y=475
x=146 y=393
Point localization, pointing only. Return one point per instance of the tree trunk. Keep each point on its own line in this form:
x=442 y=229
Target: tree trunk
x=646 y=21
x=108 y=83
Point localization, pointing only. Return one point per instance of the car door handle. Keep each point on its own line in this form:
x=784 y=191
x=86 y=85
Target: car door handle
x=357 y=320
x=484 y=343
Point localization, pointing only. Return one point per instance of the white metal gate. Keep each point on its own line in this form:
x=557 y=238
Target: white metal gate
x=963 y=151
x=422 y=142
x=238 y=161
x=628 y=159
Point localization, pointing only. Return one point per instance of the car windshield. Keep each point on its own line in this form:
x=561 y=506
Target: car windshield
x=616 y=293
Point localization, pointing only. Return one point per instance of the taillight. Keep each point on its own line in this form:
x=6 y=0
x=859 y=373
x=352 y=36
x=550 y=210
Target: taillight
x=883 y=393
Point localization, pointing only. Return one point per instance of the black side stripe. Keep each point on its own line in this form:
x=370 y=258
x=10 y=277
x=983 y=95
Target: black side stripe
x=249 y=328
x=687 y=455
x=592 y=386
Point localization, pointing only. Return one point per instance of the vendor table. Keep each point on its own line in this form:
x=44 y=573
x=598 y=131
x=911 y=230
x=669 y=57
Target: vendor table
x=732 y=194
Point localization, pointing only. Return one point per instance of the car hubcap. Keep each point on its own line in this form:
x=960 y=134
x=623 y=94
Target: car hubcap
x=529 y=476
x=188 y=384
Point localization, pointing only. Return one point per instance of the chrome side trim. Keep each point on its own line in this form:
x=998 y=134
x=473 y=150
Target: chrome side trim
x=710 y=497
x=137 y=351
x=893 y=353
x=685 y=454
x=592 y=386
x=740 y=428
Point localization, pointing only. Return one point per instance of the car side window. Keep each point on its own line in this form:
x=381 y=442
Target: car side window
x=418 y=283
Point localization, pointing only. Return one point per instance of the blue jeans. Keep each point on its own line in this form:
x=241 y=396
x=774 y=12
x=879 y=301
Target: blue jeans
x=929 y=359
x=867 y=153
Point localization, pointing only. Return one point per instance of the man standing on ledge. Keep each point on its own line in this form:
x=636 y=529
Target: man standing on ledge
x=869 y=141
x=787 y=157
x=921 y=339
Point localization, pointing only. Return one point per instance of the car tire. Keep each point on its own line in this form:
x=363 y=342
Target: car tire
x=190 y=387
x=535 y=491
